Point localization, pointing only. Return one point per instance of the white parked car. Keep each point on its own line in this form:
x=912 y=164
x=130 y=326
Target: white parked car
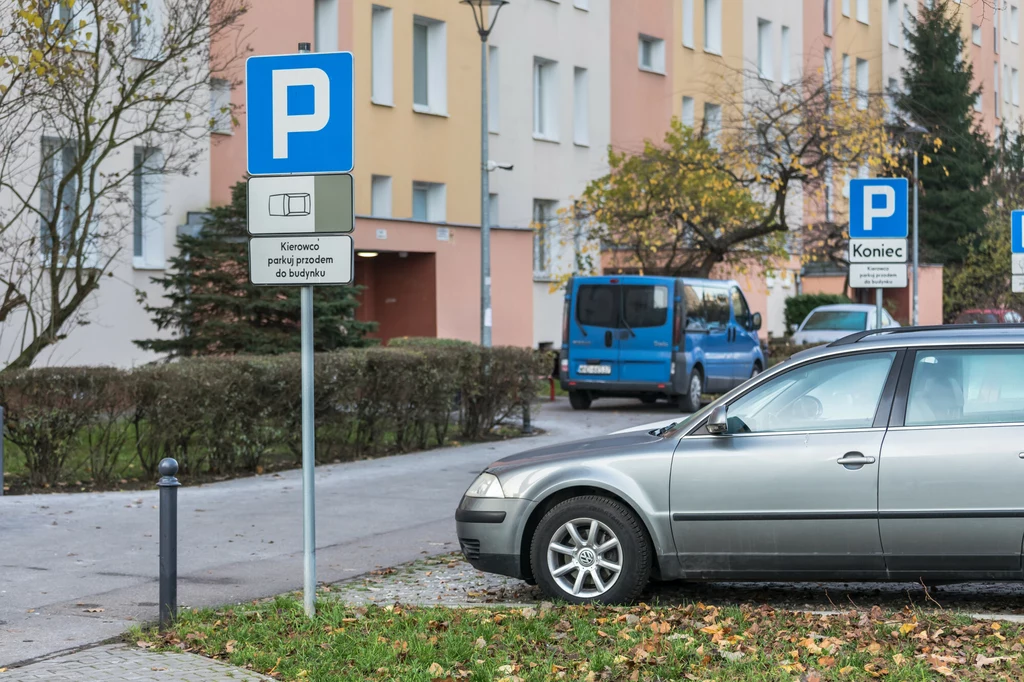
x=828 y=323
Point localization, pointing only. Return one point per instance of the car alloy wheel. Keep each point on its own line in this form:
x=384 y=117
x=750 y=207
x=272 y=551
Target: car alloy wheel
x=585 y=558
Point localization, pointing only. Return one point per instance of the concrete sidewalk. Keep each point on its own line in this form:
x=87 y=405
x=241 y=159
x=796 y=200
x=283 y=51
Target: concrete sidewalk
x=77 y=569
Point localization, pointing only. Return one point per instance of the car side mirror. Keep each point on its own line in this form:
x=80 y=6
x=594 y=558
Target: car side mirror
x=755 y=322
x=718 y=420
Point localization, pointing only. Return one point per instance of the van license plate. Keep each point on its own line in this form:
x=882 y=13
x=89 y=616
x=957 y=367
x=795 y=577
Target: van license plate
x=594 y=369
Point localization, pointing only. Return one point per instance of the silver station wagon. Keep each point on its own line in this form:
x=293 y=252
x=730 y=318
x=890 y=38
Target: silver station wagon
x=893 y=454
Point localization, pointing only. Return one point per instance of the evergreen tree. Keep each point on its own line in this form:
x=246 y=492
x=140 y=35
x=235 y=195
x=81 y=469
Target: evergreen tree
x=214 y=310
x=955 y=155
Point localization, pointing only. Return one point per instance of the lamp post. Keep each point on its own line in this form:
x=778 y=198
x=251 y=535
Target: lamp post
x=484 y=25
x=917 y=132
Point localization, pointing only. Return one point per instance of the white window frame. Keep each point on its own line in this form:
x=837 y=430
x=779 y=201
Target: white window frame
x=712 y=122
x=828 y=69
x=581 y=106
x=325 y=25
x=221 y=122
x=1015 y=87
x=436 y=200
x=1014 y=24
x=380 y=196
x=785 y=59
x=1006 y=83
x=437 y=68
x=688 y=113
x=978 y=102
x=493 y=89
x=846 y=76
x=864 y=12
x=976 y=34
x=148 y=185
x=146 y=30
x=827 y=17
x=544 y=214
x=688 y=24
x=657 y=53
x=713 y=26
x=893 y=18
x=545 y=99
x=846 y=7
x=765 y=68
x=382 y=57
x=995 y=88
x=863 y=83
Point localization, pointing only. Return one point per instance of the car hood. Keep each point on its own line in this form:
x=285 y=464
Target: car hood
x=579 y=449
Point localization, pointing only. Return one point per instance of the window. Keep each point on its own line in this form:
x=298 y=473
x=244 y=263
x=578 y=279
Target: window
x=784 y=73
x=58 y=157
x=740 y=309
x=862 y=11
x=716 y=308
x=493 y=89
x=1015 y=87
x=713 y=26
x=966 y=386
x=380 y=202
x=651 y=54
x=890 y=93
x=430 y=66
x=492 y=209
x=828 y=15
x=598 y=305
x=220 y=107
x=846 y=6
x=908 y=21
x=862 y=84
x=148 y=208
x=580 y=107
x=712 y=122
x=688 y=116
x=688 y=24
x=694 y=301
x=545 y=103
x=645 y=306
x=764 y=50
x=846 y=76
x=325 y=22
x=829 y=192
x=428 y=202
x=894 y=22
x=841 y=393
x=828 y=73
x=543 y=215
x=976 y=34
x=995 y=29
x=382 y=58
x=1014 y=24
x=1006 y=83
x=995 y=86
x=582 y=4
x=147 y=29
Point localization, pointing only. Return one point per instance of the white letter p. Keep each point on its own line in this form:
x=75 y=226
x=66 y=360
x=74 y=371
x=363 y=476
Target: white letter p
x=283 y=122
x=887 y=210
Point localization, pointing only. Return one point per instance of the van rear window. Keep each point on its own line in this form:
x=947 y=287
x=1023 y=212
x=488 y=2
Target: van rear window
x=615 y=306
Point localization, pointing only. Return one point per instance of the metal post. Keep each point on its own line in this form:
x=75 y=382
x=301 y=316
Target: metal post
x=1 y=450
x=914 y=317
x=878 y=308
x=485 y=207
x=168 y=485
x=308 y=458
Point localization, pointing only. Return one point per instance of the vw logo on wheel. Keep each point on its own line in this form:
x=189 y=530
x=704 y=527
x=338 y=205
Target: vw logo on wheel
x=586 y=557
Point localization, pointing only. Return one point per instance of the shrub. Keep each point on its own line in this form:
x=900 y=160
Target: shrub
x=800 y=306
x=428 y=342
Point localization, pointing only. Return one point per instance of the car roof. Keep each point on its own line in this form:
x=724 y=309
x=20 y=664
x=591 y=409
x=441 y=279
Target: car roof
x=846 y=307
x=916 y=337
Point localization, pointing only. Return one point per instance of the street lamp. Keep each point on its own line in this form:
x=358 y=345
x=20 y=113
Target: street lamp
x=485 y=21
x=917 y=132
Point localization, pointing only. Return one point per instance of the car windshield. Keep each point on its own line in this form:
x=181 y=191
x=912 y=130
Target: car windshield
x=839 y=320
x=977 y=318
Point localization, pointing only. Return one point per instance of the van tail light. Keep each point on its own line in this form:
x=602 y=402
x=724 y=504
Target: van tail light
x=565 y=366
x=677 y=326
x=565 y=323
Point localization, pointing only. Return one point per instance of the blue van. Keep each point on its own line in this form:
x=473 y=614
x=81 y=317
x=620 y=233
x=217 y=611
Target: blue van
x=656 y=337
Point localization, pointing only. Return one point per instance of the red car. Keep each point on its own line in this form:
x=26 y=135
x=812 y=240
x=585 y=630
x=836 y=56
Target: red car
x=989 y=316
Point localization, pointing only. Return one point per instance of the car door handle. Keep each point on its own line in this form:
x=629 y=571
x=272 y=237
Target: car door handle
x=855 y=459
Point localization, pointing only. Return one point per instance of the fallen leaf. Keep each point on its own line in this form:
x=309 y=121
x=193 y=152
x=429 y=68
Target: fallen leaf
x=502 y=669
x=96 y=610
x=143 y=644
x=811 y=676
x=907 y=628
x=876 y=613
x=846 y=670
x=732 y=656
x=480 y=643
x=436 y=669
x=529 y=613
x=982 y=661
x=230 y=646
x=898 y=659
x=945 y=672
x=827 y=661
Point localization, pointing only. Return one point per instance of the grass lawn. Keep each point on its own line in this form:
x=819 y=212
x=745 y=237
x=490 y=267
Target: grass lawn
x=692 y=642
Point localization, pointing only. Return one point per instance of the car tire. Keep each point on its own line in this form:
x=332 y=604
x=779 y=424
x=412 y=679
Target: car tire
x=690 y=401
x=613 y=521
x=757 y=369
x=580 y=400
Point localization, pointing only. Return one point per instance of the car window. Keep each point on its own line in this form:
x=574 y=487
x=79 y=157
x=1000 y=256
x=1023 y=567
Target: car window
x=836 y=320
x=694 y=307
x=645 y=306
x=840 y=393
x=716 y=308
x=966 y=386
x=597 y=305
x=739 y=306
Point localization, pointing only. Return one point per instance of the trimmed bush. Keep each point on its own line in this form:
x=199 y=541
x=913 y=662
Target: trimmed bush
x=800 y=306
x=225 y=416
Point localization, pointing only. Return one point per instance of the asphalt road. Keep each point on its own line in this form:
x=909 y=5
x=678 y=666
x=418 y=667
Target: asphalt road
x=80 y=568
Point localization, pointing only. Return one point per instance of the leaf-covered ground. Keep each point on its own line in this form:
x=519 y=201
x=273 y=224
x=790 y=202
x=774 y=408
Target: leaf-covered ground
x=552 y=642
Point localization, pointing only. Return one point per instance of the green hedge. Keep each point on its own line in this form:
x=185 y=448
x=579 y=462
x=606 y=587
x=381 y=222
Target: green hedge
x=800 y=306
x=226 y=416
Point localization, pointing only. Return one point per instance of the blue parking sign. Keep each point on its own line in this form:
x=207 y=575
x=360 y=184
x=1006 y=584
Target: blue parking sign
x=878 y=208
x=300 y=113
x=1017 y=231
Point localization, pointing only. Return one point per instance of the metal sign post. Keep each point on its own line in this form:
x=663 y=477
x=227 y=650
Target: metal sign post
x=878 y=236
x=300 y=113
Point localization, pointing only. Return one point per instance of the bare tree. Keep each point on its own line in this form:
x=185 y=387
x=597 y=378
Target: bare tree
x=96 y=96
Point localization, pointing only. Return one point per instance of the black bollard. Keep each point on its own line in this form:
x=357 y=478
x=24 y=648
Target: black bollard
x=168 y=485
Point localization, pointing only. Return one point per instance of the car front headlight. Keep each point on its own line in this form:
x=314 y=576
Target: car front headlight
x=485 y=485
